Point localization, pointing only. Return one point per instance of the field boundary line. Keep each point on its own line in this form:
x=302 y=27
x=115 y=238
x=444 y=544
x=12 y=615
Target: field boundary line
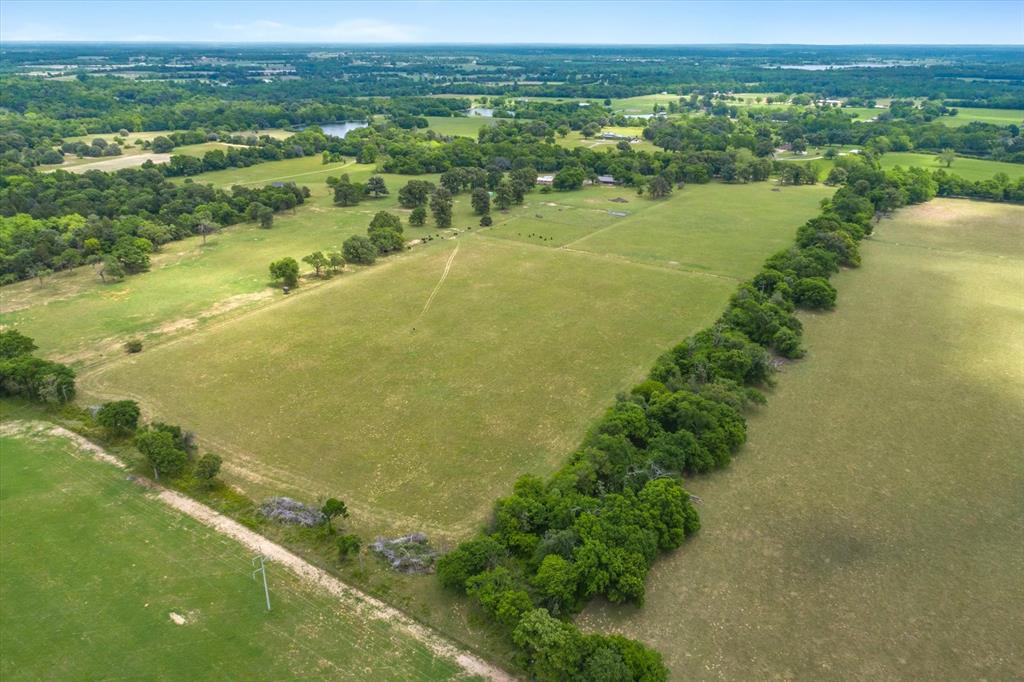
x=440 y=282
x=613 y=257
x=364 y=604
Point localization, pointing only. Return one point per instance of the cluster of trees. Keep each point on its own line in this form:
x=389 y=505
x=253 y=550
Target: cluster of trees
x=56 y=221
x=24 y=375
x=596 y=526
x=348 y=193
x=167 y=449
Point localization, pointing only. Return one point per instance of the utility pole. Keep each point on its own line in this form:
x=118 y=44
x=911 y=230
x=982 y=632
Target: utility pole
x=258 y=560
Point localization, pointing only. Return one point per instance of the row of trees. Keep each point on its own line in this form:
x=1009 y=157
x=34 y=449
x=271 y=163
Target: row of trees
x=596 y=526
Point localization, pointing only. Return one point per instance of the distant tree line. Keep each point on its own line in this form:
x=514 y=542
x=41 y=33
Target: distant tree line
x=56 y=221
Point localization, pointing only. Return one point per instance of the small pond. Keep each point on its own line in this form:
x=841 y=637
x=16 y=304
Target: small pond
x=343 y=128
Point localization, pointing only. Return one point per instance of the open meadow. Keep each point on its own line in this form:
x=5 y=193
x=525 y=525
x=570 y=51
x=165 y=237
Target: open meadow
x=1000 y=117
x=99 y=580
x=871 y=527
x=965 y=167
x=410 y=388
x=460 y=126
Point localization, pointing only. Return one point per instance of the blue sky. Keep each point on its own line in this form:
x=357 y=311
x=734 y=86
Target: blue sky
x=592 y=22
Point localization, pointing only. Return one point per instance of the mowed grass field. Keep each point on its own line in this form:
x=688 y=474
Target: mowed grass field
x=871 y=527
x=999 y=117
x=94 y=571
x=970 y=169
x=461 y=126
x=420 y=388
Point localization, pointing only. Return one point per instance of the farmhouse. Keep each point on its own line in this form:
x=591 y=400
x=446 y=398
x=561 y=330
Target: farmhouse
x=607 y=180
x=545 y=179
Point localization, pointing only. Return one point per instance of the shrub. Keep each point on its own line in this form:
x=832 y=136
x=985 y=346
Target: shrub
x=208 y=466
x=133 y=346
x=486 y=221
x=814 y=292
x=348 y=545
x=120 y=417
x=285 y=271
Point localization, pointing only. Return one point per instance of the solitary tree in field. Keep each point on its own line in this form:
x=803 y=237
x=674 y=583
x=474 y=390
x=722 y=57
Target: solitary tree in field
x=441 y=207
x=333 y=508
x=286 y=271
x=481 y=201
x=418 y=217
x=947 y=156
x=318 y=260
x=375 y=186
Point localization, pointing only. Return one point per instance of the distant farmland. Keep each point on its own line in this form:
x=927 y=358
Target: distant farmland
x=871 y=527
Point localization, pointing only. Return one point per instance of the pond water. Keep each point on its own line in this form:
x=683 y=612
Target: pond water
x=343 y=128
x=480 y=111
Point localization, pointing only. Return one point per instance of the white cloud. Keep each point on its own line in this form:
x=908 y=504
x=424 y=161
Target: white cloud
x=351 y=31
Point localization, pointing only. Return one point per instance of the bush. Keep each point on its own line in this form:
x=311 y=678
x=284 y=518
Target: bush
x=486 y=221
x=133 y=346
x=207 y=467
x=120 y=417
x=348 y=545
x=814 y=292
x=285 y=271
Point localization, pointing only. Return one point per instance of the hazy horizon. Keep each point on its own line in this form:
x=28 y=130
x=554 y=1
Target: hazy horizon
x=644 y=23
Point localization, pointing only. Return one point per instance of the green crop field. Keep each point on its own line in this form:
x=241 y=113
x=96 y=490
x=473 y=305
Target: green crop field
x=870 y=529
x=99 y=580
x=971 y=169
x=463 y=126
x=419 y=388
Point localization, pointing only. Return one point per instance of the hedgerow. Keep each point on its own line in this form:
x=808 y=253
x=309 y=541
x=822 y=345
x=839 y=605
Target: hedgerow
x=596 y=526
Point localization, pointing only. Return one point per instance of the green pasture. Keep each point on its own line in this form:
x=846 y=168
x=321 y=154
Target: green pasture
x=419 y=388
x=642 y=104
x=99 y=580
x=716 y=228
x=999 y=117
x=76 y=317
x=461 y=126
x=968 y=168
x=870 y=529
